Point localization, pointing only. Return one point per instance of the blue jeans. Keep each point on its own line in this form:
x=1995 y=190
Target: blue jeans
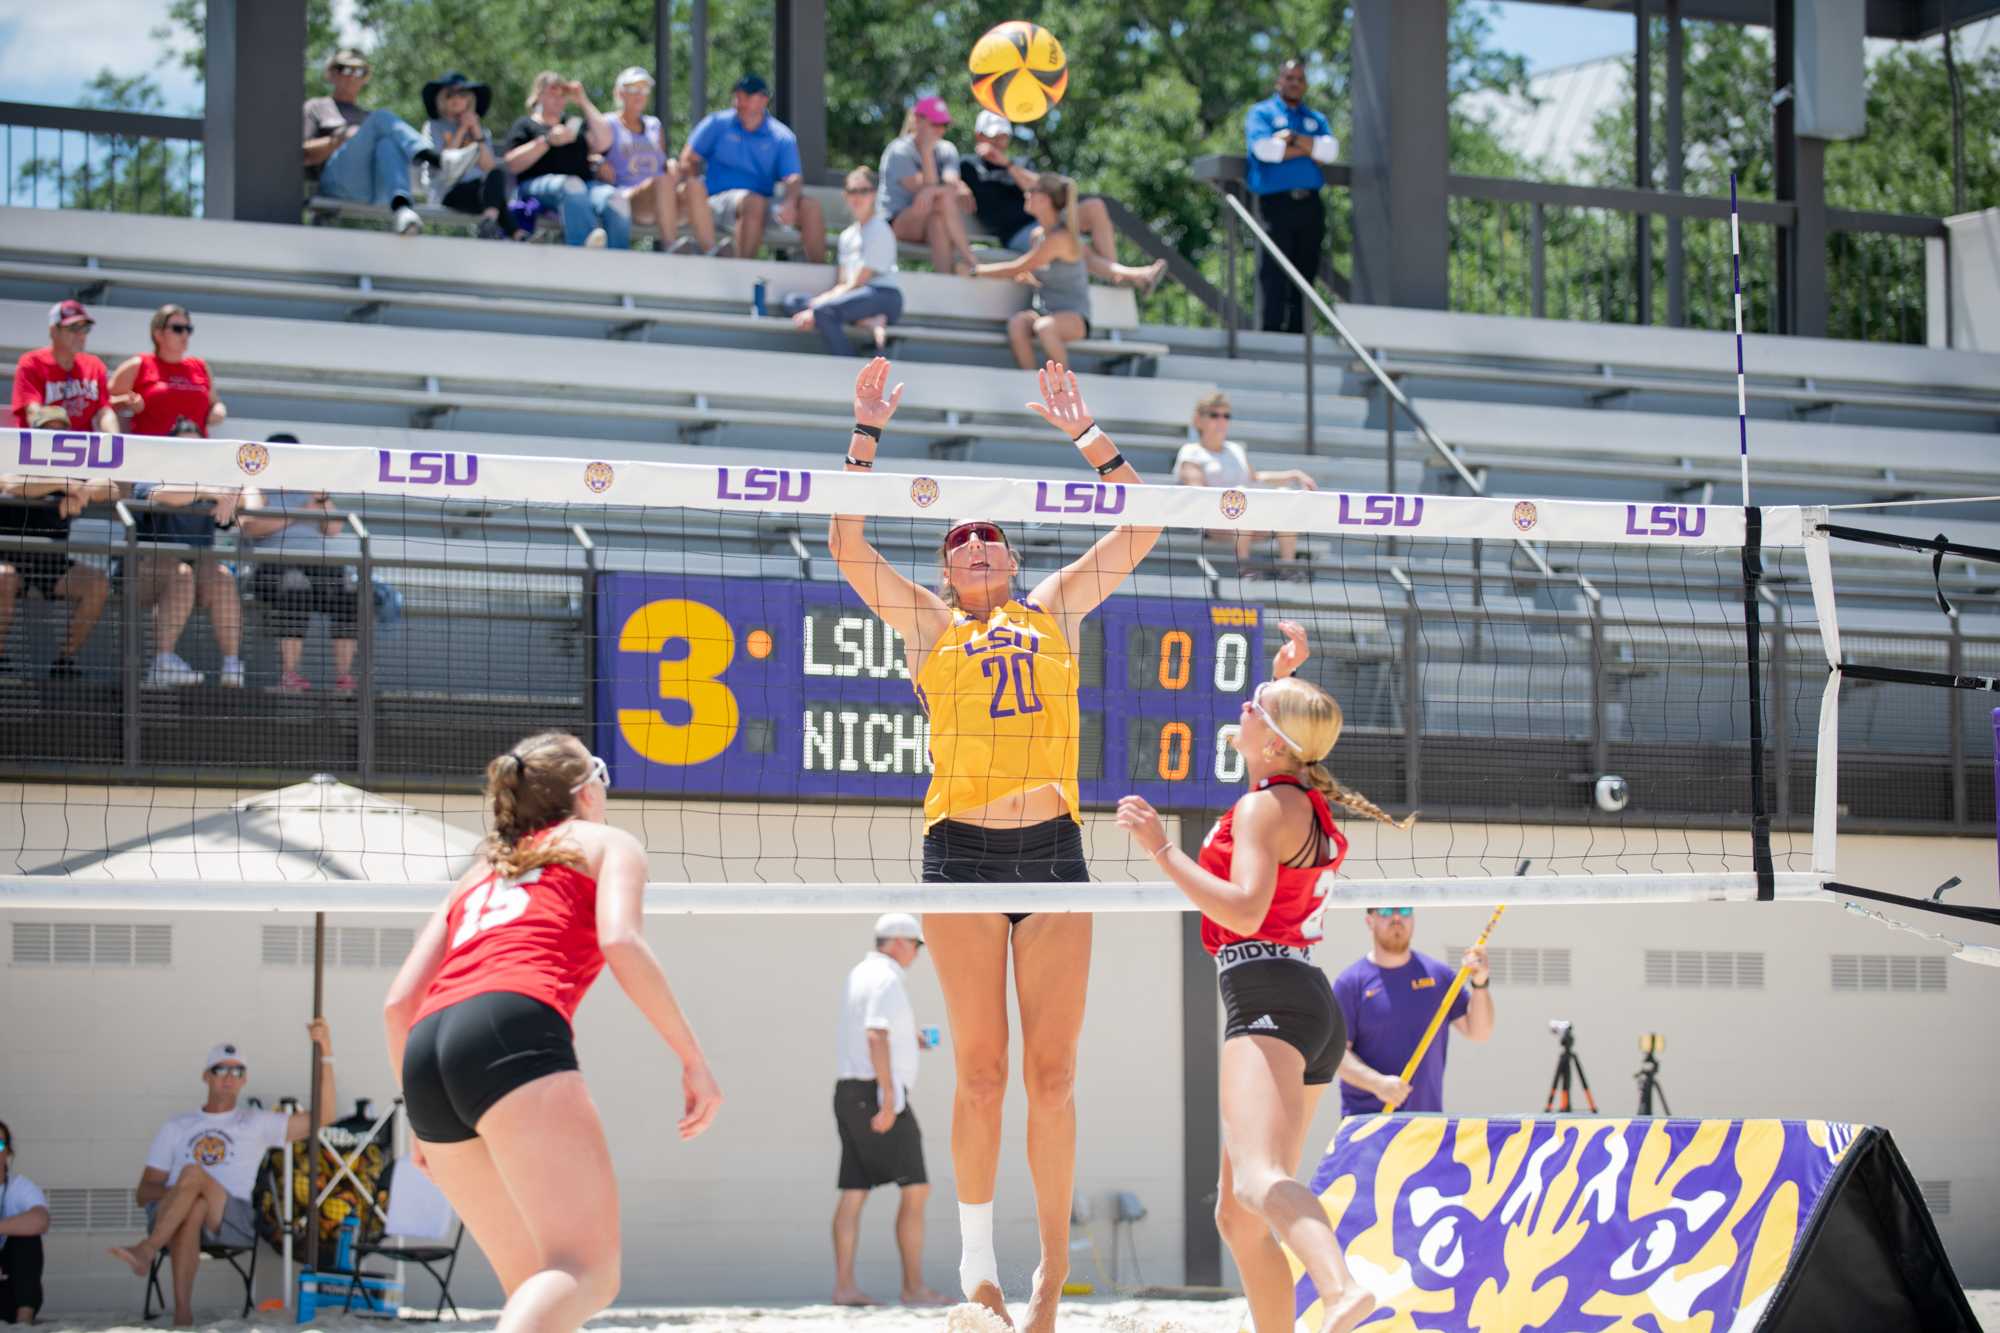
x=373 y=166
x=583 y=207
x=831 y=318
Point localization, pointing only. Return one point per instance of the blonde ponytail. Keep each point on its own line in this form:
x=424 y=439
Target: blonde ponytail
x=1327 y=785
x=528 y=789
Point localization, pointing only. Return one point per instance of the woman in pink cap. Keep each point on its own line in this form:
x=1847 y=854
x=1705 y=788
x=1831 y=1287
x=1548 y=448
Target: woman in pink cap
x=921 y=195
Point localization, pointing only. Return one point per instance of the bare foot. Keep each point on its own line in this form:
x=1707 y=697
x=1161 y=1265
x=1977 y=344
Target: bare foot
x=1151 y=278
x=853 y=1296
x=134 y=1257
x=925 y=1296
x=988 y=1295
x=1349 y=1310
x=1041 y=1317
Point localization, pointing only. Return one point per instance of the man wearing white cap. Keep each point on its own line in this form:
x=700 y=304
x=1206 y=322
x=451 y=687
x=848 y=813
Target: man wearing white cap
x=880 y=1143
x=202 y=1168
x=999 y=187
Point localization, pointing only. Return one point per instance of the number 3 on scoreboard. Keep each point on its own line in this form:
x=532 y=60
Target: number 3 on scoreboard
x=494 y=903
x=711 y=645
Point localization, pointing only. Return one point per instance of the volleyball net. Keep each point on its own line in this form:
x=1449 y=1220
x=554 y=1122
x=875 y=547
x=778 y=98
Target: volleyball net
x=1581 y=701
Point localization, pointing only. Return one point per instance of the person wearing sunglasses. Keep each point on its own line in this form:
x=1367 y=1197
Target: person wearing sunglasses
x=1213 y=459
x=354 y=153
x=175 y=392
x=478 y=1023
x=1388 y=998
x=865 y=290
x=24 y=1220
x=997 y=674
x=921 y=196
x=202 y=1168
x=1261 y=884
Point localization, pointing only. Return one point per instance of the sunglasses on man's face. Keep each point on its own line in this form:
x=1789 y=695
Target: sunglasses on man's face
x=1392 y=911
x=1220 y=415
x=228 y=1071
x=853 y=190
x=987 y=532
x=183 y=329
x=352 y=71
x=84 y=327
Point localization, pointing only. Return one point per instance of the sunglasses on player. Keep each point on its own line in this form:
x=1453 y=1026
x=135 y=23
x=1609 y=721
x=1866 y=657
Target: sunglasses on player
x=599 y=772
x=987 y=532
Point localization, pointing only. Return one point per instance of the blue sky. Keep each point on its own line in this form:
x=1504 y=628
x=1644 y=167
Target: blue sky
x=49 y=51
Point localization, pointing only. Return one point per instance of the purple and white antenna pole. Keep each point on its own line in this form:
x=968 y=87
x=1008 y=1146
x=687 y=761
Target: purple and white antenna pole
x=1742 y=400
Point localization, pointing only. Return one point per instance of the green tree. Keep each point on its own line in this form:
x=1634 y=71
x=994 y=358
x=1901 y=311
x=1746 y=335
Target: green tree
x=117 y=172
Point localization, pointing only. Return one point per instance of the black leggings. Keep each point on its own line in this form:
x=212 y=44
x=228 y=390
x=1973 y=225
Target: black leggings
x=20 y=1276
x=1050 y=852
x=476 y=196
x=465 y=1057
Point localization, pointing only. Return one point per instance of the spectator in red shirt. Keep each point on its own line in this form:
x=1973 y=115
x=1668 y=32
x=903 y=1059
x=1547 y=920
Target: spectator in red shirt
x=178 y=398
x=174 y=389
x=61 y=386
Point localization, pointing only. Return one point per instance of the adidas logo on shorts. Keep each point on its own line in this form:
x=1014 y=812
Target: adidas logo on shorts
x=1264 y=1023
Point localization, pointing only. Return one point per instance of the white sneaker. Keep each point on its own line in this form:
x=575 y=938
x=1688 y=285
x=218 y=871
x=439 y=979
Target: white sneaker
x=169 y=670
x=407 y=221
x=596 y=239
x=232 y=673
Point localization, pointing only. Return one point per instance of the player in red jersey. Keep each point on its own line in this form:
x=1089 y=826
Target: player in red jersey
x=479 y=1032
x=1260 y=887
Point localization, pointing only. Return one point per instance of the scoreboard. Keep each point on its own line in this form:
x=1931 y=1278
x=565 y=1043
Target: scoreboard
x=786 y=688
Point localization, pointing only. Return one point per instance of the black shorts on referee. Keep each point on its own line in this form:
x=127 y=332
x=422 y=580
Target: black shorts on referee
x=868 y=1159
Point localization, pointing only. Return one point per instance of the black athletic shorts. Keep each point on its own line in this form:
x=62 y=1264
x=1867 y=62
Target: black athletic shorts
x=1050 y=852
x=40 y=571
x=1287 y=999
x=464 y=1058
x=290 y=594
x=868 y=1159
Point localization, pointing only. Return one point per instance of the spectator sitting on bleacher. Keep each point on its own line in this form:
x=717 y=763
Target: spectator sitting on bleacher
x=41 y=508
x=550 y=158
x=202 y=1169
x=865 y=289
x=291 y=591
x=362 y=155
x=167 y=391
x=1213 y=459
x=737 y=160
x=61 y=386
x=638 y=165
x=1053 y=266
x=999 y=187
x=471 y=180
x=921 y=195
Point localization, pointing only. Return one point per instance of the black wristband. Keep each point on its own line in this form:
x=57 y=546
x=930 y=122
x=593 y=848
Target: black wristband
x=1480 y=985
x=872 y=432
x=1111 y=465
x=852 y=461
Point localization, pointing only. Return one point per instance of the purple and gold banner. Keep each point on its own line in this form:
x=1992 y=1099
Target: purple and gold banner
x=1573 y=1224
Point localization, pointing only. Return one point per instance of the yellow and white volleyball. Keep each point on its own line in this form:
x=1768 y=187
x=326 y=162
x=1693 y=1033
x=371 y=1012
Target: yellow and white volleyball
x=1018 y=69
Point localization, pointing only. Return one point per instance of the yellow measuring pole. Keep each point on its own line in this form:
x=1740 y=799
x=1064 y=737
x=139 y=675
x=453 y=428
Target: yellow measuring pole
x=1444 y=1006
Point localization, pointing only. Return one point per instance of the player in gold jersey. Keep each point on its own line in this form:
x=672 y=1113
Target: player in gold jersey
x=997 y=673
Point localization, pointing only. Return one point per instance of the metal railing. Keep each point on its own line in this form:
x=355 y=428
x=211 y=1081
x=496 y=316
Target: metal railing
x=112 y=161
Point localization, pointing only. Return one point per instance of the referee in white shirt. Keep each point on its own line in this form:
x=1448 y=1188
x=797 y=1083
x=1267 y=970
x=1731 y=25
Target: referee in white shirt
x=880 y=1143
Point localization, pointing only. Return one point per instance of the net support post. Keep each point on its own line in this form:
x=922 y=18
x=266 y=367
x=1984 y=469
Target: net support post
x=364 y=685
x=1413 y=693
x=1753 y=650
x=1826 y=766
x=1600 y=738
x=131 y=641
x=1201 y=1070
x=1955 y=725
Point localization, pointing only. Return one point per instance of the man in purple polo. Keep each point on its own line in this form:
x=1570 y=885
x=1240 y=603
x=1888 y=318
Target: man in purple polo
x=1388 y=998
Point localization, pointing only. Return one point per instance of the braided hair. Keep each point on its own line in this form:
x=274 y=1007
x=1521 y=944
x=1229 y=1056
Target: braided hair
x=528 y=789
x=1313 y=718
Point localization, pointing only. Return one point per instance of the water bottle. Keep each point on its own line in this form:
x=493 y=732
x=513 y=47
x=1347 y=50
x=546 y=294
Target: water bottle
x=757 y=299
x=932 y=1036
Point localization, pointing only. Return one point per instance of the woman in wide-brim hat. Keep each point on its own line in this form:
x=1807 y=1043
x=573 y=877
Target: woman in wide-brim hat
x=472 y=179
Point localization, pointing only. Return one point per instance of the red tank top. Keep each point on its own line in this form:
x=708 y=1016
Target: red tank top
x=534 y=936
x=1298 y=901
x=172 y=390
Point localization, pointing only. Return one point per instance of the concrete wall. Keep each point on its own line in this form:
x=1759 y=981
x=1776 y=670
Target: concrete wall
x=95 y=1057
x=1963 y=283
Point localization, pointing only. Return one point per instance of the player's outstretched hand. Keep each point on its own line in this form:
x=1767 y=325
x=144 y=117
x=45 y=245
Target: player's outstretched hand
x=1293 y=652
x=702 y=1098
x=1138 y=818
x=1062 y=402
x=872 y=405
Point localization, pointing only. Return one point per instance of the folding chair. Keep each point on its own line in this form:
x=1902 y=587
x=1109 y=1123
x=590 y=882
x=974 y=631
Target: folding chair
x=233 y=1255
x=419 y=1220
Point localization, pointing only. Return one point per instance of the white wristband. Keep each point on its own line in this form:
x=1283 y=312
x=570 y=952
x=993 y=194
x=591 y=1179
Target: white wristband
x=1089 y=437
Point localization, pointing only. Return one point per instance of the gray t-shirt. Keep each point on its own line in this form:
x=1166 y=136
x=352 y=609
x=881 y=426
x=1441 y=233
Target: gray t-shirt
x=322 y=115
x=304 y=532
x=901 y=159
x=869 y=245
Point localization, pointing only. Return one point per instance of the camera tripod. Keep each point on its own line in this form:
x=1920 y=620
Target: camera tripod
x=1568 y=1064
x=1649 y=1086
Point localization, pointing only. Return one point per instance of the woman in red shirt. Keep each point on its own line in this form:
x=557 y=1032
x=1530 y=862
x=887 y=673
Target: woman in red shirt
x=179 y=397
x=479 y=1032
x=1261 y=886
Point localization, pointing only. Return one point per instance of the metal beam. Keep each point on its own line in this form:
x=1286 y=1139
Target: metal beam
x=1642 y=167
x=32 y=115
x=1201 y=1072
x=1401 y=153
x=252 y=157
x=799 y=32
x=663 y=68
x=697 y=62
x=1676 y=165
x=1903 y=20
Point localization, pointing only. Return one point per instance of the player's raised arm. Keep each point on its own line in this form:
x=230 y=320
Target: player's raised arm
x=913 y=611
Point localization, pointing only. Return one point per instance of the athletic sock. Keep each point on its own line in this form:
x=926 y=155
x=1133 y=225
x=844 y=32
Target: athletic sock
x=976 y=1263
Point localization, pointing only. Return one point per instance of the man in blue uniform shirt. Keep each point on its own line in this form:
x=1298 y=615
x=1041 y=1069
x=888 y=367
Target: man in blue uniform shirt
x=1288 y=142
x=1388 y=999
x=738 y=161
